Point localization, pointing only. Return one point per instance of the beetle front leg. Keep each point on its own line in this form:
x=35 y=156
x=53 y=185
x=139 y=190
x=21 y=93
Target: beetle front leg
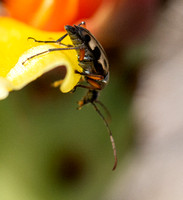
x=52 y=41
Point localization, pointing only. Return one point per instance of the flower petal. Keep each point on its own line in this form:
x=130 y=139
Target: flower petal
x=49 y=15
x=15 y=49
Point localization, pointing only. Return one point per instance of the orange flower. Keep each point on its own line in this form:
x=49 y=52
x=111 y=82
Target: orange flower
x=52 y=15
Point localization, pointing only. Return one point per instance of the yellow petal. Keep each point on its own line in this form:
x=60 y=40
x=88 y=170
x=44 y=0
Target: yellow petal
x=15 y=48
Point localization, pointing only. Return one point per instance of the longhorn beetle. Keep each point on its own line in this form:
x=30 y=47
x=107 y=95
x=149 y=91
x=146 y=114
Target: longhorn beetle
x=93 y=60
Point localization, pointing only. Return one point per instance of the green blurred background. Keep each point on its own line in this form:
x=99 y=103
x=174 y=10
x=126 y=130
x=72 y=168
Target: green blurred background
x=50 y=150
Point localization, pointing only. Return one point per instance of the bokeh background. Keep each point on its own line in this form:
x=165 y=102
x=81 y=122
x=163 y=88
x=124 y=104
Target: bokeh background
x=50 y=150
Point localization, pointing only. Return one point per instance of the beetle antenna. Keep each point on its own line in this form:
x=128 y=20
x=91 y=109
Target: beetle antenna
x=110 y=134
x=106 y=110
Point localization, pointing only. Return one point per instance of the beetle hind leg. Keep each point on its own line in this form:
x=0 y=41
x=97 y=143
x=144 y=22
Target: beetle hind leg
x=52 y=41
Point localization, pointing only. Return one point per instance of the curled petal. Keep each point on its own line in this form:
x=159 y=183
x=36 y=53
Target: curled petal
x=15 y=48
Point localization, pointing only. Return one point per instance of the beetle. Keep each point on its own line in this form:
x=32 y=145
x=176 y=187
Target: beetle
x=93 y=60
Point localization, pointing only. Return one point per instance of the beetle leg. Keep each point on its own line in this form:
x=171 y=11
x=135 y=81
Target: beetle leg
x=91 y=76
x=51 y=41
x=95 y=77
x=82 y=86
x=92 y=80
x=83 y=24
x=94 y=84
x=49 y=50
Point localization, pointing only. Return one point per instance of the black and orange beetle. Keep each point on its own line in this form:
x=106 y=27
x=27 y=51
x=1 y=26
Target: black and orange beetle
x=93 y=60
